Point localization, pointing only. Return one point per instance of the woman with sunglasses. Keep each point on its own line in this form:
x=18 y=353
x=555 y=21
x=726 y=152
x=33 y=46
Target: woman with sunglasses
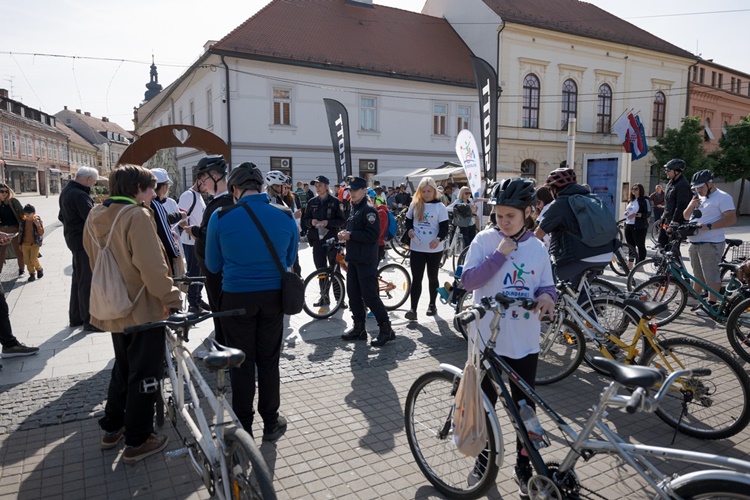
x=10 y=220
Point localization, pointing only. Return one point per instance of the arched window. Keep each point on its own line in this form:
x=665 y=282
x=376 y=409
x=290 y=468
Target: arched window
x=531 y=101
x=569 y=102
x=660 y=110
x=528 y=169
x=604 y=110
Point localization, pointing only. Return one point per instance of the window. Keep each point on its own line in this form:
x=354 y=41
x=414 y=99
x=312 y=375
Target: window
x=368 y=114
x=210 y=107
x=29 y=147
x=43 y=150
x=530 y=101
x=731 y=84
x=604 y=109
x=52 y=151
x=23 y=146
x=282 y=164
x=739 y=85
x=713 y=78
x=192 y=113
x=439 y=117
x=180 y=115
x=528 y=169
x=660 y=108
x=13 y=145
x=721 y=80
x=724 y=129
x=282 y=103
x=708 y=135
x=569 y=102
x=701 y=75
x=463 y=118
x=6 y=142
x=695 y=73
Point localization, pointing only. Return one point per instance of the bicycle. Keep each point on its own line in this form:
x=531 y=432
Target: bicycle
x=394 y=285
x=620 y=259
x=454 y=246
x=220 y=450
x=428 y=417
x=396 y=245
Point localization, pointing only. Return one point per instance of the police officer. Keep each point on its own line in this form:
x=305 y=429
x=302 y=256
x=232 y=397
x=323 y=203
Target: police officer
x=322 y=220
x=361 y=234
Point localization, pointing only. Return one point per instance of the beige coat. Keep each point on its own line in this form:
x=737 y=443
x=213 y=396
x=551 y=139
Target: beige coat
x=141 y=259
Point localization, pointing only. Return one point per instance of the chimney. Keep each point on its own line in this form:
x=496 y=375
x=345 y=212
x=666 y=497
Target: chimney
x=65 y=108
x=78 y=111
x=105 y=119
x=86 y=113
x=3 y=93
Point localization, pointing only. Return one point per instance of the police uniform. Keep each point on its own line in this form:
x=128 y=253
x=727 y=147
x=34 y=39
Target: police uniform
x=328 y=209
x=362 y=277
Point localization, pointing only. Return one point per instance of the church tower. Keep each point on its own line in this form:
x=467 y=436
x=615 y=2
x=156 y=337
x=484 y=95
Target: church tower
x=153 y=86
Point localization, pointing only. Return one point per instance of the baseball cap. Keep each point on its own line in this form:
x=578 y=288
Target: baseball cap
x=320 y=178
x=161 y=175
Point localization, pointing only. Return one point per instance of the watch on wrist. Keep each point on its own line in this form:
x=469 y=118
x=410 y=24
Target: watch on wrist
x=709 y=226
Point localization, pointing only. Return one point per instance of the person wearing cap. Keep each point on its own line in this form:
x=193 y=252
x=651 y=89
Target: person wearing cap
x=255 y=285
x=164 y=221
x=322 y=220
x=361 y=234
x=75 y=205
x=713 y=210
x=677 y=198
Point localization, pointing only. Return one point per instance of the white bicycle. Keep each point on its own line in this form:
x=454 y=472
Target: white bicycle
x=220 y=450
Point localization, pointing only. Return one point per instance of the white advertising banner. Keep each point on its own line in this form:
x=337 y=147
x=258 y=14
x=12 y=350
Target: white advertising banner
x=466 y=149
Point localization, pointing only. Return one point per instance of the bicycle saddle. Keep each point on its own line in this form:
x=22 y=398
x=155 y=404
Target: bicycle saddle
x=222 y=357
x=647 y=309
x=641 y=376
x=732 y=242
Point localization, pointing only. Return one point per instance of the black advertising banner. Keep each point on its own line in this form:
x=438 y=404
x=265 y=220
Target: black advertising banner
x=338 y=124
x=486 y=79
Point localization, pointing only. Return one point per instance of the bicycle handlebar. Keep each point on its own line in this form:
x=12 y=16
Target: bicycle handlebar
x=496 y=303
x=182 y=320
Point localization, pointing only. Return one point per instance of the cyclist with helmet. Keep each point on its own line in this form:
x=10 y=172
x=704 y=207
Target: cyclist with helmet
x=278 y=187
x=255 y=285
x=677 y=198
x=573 y=257
x=508 y=259
x=714 y=210
x=211 y=175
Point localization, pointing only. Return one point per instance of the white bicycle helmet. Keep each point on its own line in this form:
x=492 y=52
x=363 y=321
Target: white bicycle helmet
x=275 y=178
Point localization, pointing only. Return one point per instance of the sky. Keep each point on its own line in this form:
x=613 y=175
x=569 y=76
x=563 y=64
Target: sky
x=96 y=56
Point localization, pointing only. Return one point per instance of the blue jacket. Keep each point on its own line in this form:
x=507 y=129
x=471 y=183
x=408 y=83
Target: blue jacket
x=235 y=247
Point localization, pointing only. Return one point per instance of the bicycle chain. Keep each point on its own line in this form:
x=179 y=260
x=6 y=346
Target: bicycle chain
x=597 y=495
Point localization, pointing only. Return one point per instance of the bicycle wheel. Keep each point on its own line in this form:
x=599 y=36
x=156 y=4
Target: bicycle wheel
x=457 y=251
x=712 y=488
x=428 y=417
x=561 y=351
x=645 y=270
x=394 y=285
x=324 y=293
x=466 y=301
x=618 y=320
x=715 y=406
x=664 y=289
x=249 y=475
x=462 y=257
x=738 y=329
x=397 y=246
x=619 y=262
x=654 y=231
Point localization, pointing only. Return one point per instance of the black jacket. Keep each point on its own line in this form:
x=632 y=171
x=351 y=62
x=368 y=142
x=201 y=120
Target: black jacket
x=677 y=199
x=200 y=232
x=328 y=209
x=364 y=226
x=75 y=205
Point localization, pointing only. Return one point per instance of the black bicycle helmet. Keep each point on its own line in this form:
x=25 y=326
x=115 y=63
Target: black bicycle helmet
x=701 y=177
x=675 y=164
x=561 y=177
x=516 y=193
x=245 y=176
x=216 y=163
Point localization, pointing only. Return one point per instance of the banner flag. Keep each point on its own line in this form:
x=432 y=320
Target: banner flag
x=338 y=124
x=466 y=149
x=486 y=79
x=631 y=133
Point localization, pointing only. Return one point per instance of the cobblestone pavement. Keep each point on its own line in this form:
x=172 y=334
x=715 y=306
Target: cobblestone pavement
x=344 y=403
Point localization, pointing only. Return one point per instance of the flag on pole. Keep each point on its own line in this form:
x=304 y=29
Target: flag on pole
x=632 y=135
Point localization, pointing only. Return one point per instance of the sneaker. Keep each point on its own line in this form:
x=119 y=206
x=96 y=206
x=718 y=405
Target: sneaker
x=32 y=277
x=370 y=314
x=276 y=431
x=322 y=302
x=411 y=315
x=521 y=476
x=40 y=273
x=431 y=310
x=473 y=478
x=154 y=444
x=112 y=439
x=702 y=313
x=19 y=350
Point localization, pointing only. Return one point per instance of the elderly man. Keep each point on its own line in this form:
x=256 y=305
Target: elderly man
x=75 y=205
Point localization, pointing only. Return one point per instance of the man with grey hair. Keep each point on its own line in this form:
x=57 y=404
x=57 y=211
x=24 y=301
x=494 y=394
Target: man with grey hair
x=75 y=205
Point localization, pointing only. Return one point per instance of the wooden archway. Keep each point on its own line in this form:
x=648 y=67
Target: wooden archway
x=173 y=136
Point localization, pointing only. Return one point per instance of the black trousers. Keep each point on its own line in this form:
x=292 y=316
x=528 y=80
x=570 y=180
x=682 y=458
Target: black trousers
x=323 y=256
x=362 y=288
x=80 y=289
x=419 y=261
x=636 y=236
x=214 y=293
x=7 y=339
x=193 y=269
x=258 y=334
x=468 y=234
x=139 y=359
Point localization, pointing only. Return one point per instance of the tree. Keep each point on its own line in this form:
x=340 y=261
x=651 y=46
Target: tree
x=733 y=156
x=686 y=143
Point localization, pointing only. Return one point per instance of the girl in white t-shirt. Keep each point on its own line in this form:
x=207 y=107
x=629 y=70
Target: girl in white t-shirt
x=509 y=259
x=427 y=227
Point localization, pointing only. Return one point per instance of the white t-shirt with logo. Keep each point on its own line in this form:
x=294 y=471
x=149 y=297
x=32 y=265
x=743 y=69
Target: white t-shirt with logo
x=712 y=208
x=426 y=230
x=196 y=216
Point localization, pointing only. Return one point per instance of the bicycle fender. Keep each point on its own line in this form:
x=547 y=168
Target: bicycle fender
x=458 y=372
x=713 y=475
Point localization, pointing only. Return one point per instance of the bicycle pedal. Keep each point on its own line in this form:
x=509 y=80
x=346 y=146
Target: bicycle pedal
x=171 y=455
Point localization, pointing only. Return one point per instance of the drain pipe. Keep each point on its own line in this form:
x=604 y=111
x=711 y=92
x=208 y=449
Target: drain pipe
x=229 y=112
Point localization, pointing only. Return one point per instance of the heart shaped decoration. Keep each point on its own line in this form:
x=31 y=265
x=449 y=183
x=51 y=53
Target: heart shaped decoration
x=182 y=135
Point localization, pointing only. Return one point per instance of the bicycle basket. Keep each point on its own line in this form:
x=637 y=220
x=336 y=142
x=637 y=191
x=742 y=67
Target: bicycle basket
x=741 y=252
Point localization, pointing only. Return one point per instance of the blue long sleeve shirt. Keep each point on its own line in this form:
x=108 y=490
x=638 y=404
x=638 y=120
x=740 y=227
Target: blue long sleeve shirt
x=235 y=247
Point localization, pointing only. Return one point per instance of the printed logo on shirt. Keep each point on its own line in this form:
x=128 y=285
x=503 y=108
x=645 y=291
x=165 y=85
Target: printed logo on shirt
x=514 y=283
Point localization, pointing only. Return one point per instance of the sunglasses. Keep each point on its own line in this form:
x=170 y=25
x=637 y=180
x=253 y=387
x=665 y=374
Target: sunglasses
x=4 y=191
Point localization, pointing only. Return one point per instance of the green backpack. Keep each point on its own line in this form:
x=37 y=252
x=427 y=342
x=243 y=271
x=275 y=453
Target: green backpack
x=596 y=223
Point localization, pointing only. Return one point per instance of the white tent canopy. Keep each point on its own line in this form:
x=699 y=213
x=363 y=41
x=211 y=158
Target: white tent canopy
x=396 y=175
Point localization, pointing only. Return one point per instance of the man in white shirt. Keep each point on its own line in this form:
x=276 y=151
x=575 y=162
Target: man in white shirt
x=713 y=210
x=192 y=203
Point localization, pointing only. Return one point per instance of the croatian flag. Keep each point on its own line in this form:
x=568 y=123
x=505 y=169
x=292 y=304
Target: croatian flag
x=632 y=135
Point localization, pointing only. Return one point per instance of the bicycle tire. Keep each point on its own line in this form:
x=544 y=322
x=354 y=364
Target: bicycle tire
x=561 y=351
x=708 y=415
x=619 y=262
x=250 y=482
x=400 y=280
x=466 y=301
x=457 y=251
x=654 y=231
x=462 y=257
x=664 y=289
x=428 y=423
x=333 y=284
x=712 y=488
x=644 y=270
x=738 y=329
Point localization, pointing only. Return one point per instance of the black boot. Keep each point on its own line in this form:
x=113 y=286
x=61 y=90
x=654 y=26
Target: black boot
x=357 y=332
x=384 y=335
